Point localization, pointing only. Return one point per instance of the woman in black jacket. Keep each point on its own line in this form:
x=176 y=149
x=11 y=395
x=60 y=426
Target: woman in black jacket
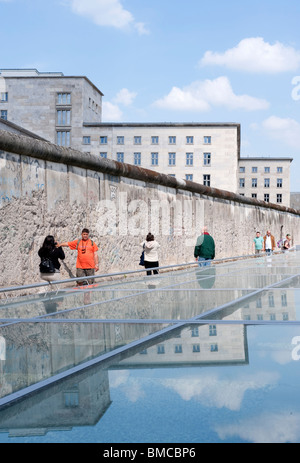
x=49 y=251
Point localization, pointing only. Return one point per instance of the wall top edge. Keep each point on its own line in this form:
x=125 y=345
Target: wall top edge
x=27 y=146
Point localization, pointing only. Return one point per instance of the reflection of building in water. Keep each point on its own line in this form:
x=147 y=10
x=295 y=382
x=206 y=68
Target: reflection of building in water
x=273 y=305
x=81 y=401
x=197 y=344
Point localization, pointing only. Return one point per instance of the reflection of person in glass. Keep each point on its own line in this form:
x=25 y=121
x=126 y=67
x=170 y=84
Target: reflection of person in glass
x=206 y=278
x=205 y=248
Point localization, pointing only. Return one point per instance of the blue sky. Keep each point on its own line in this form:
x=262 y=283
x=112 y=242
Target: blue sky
x=173 y=61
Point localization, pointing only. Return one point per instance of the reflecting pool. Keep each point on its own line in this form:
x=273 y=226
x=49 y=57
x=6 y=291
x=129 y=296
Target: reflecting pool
x=197 y=355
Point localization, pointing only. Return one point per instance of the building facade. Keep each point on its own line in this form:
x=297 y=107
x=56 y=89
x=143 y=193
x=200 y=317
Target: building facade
x=267 y=179
x=67 y=110
x=51 y=105
x=203 y=153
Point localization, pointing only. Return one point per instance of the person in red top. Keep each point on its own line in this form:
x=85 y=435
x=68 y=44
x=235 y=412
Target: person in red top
x=87 y=257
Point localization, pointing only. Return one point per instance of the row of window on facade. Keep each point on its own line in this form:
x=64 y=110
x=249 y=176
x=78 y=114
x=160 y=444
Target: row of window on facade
x=154 y=158
x=178 y=349
x=267 y=170
x=266 y=198
x=137 y=140
x=62 y=98
x=254 y=182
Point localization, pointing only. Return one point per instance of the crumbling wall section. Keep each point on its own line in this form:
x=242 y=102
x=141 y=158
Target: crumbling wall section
x=45 y=189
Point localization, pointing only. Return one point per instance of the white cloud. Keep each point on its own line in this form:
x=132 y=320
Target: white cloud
x=256 y=55
x=107 y=13
x=212 y=391
x=111 y=112
x=272 y=428
x=286 y=130
x=125 y=97
x=202 y=95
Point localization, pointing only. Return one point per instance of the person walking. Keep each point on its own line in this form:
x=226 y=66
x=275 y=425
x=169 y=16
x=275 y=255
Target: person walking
x=50 y=253
x=287 y=243
x=258 y=243
x=87 y=257
x=205 y=248
x=150 y=247
x=269 y=243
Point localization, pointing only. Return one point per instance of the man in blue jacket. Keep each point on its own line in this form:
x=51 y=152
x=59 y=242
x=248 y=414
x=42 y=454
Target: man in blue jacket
x=205 y=248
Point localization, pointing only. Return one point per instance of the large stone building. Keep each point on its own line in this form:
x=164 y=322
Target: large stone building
x=67 y=110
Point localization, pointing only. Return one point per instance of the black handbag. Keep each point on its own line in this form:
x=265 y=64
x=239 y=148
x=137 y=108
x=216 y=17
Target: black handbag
x=47 y=266
x=142 y=259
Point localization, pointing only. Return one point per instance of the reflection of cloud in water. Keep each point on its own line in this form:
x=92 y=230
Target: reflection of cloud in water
x=129 y=386
x=214 y=392
x=266 y=428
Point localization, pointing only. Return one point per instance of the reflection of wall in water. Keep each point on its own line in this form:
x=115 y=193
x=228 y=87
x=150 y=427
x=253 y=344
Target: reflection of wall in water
x=35 y=352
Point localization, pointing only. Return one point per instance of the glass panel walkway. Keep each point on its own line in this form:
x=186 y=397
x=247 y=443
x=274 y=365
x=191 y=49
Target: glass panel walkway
x=190 y=355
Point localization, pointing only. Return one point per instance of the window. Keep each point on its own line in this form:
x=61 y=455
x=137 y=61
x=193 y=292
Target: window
x=189 y=159
x=267 y=183
x=103 y=155
x=207 y=140
x=3 y=96
x=206 y=180
x=279 y=198
x=242 y=183
x=64 y=98
x=137 y=140
x=283 y=300
x=64 y=117
x=172 y=140
x=196 y=347
x=279 y=170
x=160 y=349
x=103 y=140
x=279 y=183
x=212 y=330
x=214 y=348
x=86 y=140
x=178 y=349
x=254 y=195
x=120 y=140
x=3 y=114
x=271 y=300
x=154 y=159
x=189 y=140
x=63 y=138
x=254 y=170
x=189 y=177
x=267 y=170
x=120 y=157
x=206 y=159
x=267 y=198
x=172 y=159
x=242 y=170
x=154 y=140
x=195 y=332
x=137 y=159
x=254 y=183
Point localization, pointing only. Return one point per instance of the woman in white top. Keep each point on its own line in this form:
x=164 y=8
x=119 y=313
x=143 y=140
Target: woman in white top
x=151 y=256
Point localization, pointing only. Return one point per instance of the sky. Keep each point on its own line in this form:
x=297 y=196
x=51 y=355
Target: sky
x=173 y=61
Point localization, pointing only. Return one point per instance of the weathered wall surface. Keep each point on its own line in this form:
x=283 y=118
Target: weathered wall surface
x=45 y=189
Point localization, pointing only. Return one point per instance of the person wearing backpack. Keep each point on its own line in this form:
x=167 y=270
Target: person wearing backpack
x=50 y=254
x=87 y=257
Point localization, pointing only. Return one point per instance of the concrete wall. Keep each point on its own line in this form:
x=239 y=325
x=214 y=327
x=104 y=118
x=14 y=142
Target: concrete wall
x=46 y=189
